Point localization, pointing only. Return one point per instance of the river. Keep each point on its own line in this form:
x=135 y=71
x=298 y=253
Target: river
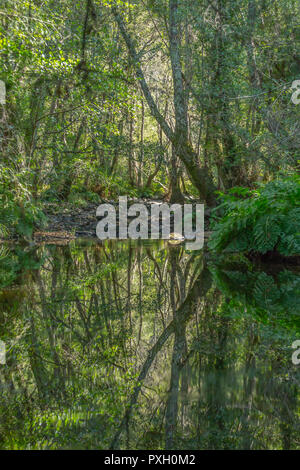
x=123 y=345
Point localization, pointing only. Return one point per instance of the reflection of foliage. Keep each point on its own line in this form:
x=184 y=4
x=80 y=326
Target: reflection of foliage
x=83 y=323
x=13 y=263
x=275 y=298
x=73 y=354
x=260 y=221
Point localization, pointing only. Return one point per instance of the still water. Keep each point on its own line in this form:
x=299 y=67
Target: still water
x=146 y=346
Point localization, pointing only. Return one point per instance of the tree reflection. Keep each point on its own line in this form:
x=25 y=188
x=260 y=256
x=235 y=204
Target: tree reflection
x=122 y=345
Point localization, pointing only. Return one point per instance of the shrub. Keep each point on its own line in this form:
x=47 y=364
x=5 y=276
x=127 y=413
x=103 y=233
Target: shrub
x=18 y=213
x=267 y=219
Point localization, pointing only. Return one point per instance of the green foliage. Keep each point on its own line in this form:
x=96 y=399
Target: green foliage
x=14 y=262
x=271 y=297
x=18 y=213
x=267 y=219
x=79 y=324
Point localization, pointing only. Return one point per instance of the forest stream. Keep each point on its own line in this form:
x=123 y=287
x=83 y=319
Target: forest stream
x=149 y=228
x=123 y=345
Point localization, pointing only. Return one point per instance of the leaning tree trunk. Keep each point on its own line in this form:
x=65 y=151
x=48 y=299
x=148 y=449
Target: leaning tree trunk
x=199 y=176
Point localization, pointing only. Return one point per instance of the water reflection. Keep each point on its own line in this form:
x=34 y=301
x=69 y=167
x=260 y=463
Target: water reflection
x=146 y=346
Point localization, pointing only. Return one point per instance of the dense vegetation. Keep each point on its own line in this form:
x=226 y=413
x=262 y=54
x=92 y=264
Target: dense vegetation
x=163 y=98
x=262 y=220
x=147 y=345
x=127 y=346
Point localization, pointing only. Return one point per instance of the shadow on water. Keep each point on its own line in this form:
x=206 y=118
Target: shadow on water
x=146 y=346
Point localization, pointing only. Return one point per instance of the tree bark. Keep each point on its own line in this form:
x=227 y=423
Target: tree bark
x=199 y=176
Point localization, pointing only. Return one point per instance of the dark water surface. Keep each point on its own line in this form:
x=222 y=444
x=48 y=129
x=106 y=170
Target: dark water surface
x=146 y=346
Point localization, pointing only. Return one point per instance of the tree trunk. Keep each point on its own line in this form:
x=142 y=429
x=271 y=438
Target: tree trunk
x=199 y=176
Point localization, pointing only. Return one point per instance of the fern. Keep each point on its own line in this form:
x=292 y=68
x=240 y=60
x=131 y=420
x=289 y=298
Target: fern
x=18 y=213
x=264 y=220
x=273 y=298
